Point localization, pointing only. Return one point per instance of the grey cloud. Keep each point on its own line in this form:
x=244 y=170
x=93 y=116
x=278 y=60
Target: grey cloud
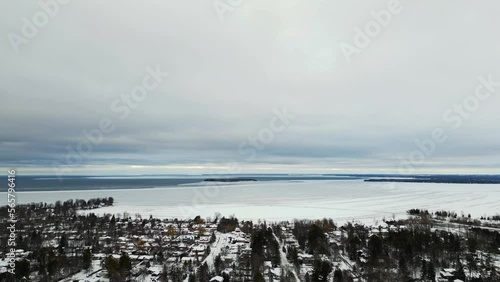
x=228 y=76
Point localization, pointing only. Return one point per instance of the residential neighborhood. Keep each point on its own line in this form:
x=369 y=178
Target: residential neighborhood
x=56 y=243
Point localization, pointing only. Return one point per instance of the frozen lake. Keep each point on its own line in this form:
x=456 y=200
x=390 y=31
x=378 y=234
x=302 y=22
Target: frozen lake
x=341 y=200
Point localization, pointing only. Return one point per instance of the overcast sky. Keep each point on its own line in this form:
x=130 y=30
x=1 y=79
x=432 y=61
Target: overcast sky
x=231 y=68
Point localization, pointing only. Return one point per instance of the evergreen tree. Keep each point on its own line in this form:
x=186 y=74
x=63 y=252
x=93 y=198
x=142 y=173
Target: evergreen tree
x=431 y=272
x=375 y=248
x=113 y=268
x=22 y=269
x=338 y=276
x=203 y=273
x=460 y=274
x=317 y=240
x=258 y=277
x=321 y=270
x=125 y=263
x=494 y=275
x=164 y=274
x=424 y=274
x=403 y=269
x=63 y=243
x=87 y=259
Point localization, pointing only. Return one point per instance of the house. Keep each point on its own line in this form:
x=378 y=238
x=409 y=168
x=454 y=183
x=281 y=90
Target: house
x=447 y=274
x=306 y=258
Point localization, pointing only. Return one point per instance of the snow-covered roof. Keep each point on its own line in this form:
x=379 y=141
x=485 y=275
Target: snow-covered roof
x=446 y=274
x=217 y=279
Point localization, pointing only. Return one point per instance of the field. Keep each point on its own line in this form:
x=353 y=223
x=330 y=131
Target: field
x=341 y=200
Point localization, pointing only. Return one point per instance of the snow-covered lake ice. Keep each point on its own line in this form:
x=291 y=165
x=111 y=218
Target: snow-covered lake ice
x=341 y=200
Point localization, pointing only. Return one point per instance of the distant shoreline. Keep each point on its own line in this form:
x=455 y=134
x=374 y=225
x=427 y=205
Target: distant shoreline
x=456 y=179
x=229 y=180
x=89 y=183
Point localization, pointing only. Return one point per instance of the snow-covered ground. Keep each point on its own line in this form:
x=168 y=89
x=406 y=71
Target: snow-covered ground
x=91 y=275
x=341 y=200
x=216 y=248
x=285 y=264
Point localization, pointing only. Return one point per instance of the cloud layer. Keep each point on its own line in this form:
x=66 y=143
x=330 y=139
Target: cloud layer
x=230 y=73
